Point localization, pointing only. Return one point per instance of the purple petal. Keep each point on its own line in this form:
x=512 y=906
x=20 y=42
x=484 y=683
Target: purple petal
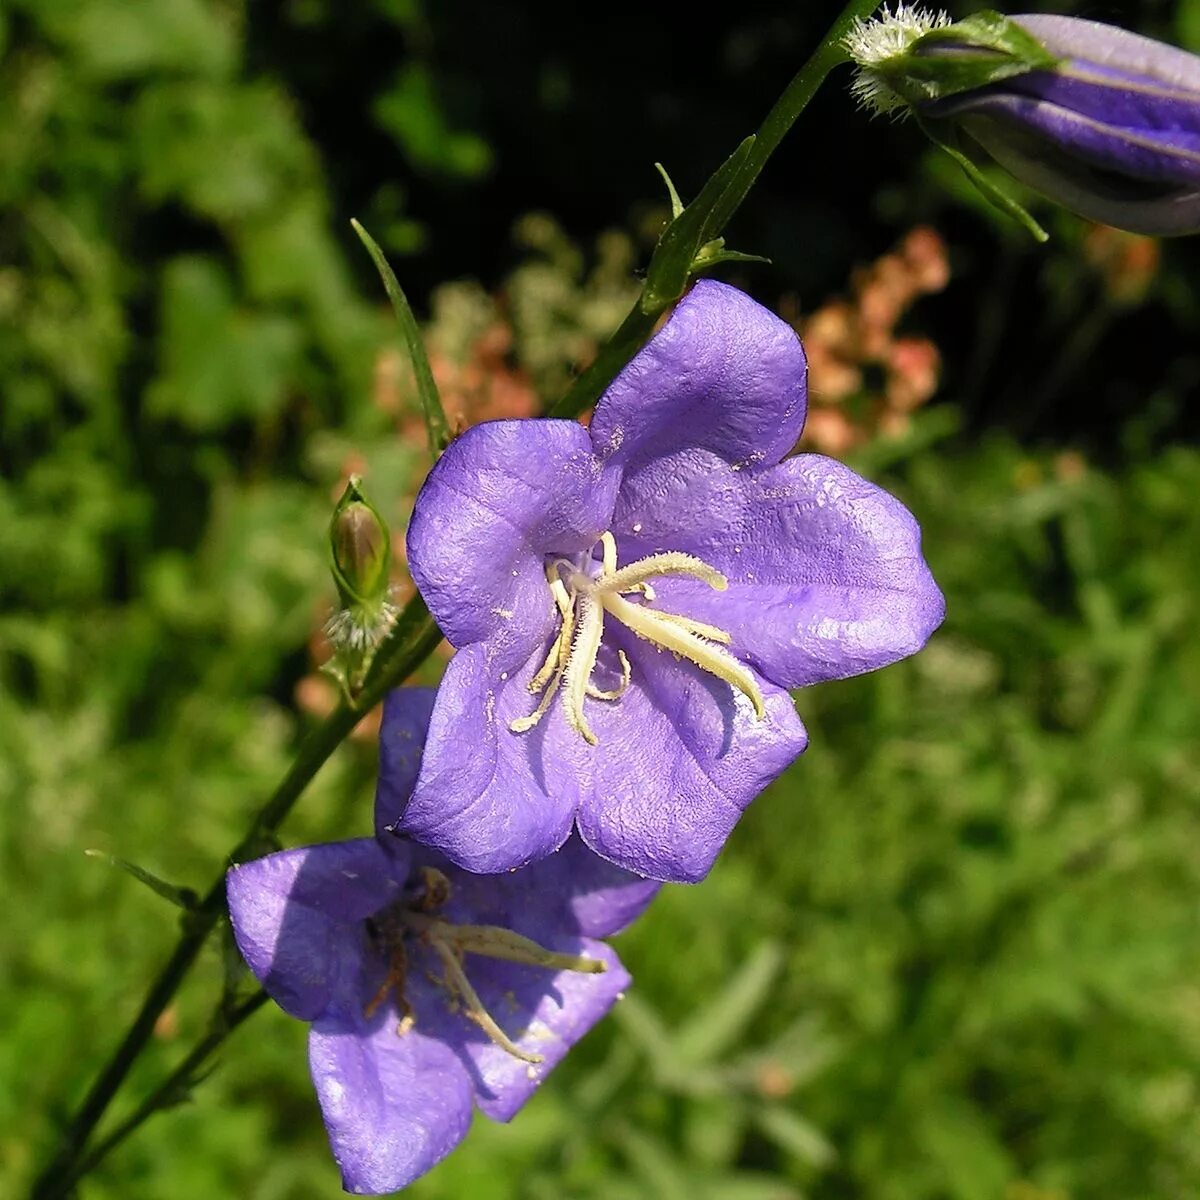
x=393 y=1105
x=1114 y=99
x=406 y=713
x=604 y=899
x=825 y=572
x=1137 y=206
x=296 y=916
x=680 y=756
x=723 y=374
x=1168 y=158
x=570 y=892
x=1114 y=49
x=504 y=496
x=487 y=798
x=549 y=1011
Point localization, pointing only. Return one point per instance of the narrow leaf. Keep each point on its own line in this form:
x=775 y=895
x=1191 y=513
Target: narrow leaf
x=990 y=192
x=676 y=203
x=184 y=897
x=795 y=1135
x=671 y=266
x=436 y=426
x=714 y=252
x=723 y=1019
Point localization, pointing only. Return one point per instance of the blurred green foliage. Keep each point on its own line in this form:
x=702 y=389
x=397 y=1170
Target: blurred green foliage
x=952 y=955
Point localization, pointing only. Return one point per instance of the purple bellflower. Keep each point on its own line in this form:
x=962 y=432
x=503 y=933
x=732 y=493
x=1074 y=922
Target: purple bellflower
x=430 y=991
x=1100 y=120
x=631 y=601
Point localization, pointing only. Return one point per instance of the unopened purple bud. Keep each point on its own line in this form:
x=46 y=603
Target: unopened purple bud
x=1106 y=124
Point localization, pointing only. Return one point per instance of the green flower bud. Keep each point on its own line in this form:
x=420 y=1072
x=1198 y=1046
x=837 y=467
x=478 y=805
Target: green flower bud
x=360 y=550
x=360 y=557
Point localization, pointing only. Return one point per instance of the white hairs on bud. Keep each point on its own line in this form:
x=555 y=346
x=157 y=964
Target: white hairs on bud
x=880 y=38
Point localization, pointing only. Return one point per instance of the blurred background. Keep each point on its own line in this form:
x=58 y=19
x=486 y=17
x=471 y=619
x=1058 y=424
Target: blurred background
x=953 y=954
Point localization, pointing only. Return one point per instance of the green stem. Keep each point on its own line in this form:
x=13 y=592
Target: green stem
x=795 y=99
x=411 y=641
x=631 y=335
x=172 y=1089
x=635 y=330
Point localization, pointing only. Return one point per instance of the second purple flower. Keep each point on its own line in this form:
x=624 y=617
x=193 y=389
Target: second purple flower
x=631 y=601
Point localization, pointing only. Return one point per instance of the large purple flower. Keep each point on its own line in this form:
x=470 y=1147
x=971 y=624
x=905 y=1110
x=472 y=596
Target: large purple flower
x=430 y=990
x=631 y=601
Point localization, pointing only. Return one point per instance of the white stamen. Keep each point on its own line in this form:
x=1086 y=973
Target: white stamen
x=699 y=628
x=671 y=563
x=584 y=595
x=579 y=666
x=714 y=659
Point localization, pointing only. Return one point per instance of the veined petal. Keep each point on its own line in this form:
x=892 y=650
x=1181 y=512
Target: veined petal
x=501 y=498
x=1113 y=49
x=406 y=713
x=723 y=374
x=680 y=757
x=1125 y=202
x=394 y=1105
x=487 y=798
x=1117 y=99
x=826 y=577
x=1157 y=156
x=296 y=917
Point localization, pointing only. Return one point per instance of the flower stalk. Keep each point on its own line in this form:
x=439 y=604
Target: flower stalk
x=414 y=635
x=665 y=283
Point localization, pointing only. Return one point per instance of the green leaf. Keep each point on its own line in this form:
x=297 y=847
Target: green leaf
x=436 y=427
x=714 y=252
x=795 y=1135
x=183 y=897
x=676 y=203
x=671 y=267
x=719 y=1023
x=413 y=113
x=990 y=192
x=220 y=361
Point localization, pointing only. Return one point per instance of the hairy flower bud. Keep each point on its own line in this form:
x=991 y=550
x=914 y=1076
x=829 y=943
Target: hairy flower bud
x=360 y=549
x=1100 y=120
x=360 y=555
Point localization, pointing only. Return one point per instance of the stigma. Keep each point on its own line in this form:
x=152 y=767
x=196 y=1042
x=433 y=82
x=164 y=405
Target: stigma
x=584 y=597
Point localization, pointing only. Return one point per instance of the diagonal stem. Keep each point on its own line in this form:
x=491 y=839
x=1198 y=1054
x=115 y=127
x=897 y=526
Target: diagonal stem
x=412 y=639
x=175 y=1085
x=639 y=323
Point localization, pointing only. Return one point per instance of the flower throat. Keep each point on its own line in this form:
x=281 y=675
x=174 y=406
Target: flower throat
x=419 y=918
x=583 y=600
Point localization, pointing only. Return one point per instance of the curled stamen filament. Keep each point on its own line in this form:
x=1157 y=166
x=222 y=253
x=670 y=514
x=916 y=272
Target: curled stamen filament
x=617 y=692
